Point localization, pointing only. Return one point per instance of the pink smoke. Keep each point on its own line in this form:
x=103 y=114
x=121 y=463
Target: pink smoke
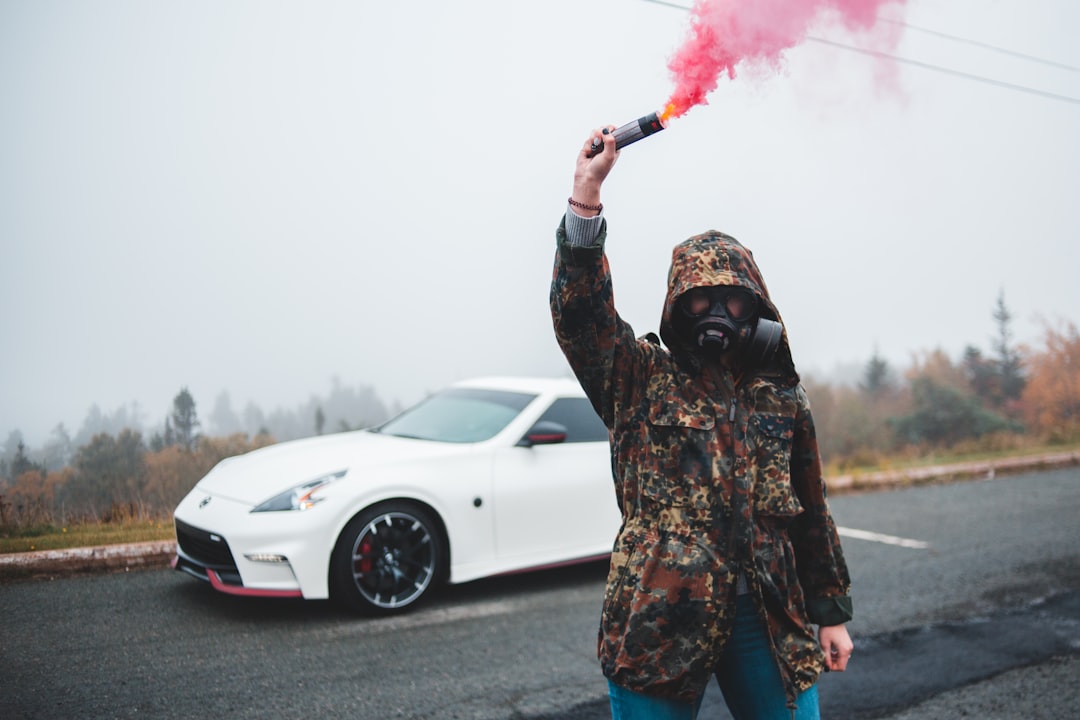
x=723 y=33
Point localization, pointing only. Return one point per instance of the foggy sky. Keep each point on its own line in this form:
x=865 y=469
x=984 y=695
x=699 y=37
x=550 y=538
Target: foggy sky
x=259 y=197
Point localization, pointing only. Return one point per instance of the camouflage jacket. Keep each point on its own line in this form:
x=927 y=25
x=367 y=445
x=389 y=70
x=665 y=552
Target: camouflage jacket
x=715 y=474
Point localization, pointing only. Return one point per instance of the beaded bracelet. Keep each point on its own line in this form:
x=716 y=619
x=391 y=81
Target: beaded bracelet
x=595 y=208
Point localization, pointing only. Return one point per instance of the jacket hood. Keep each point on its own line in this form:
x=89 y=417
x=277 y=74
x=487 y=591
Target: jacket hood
x=709 y=259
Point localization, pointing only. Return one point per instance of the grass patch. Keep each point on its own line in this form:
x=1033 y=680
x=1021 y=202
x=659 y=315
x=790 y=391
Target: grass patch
x=49 y=537
x=919 y=458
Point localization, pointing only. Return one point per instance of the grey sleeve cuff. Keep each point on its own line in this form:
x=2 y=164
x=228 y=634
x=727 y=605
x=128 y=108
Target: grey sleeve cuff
x=581 y=231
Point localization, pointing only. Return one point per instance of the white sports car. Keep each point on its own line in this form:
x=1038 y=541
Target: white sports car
x=485 y=477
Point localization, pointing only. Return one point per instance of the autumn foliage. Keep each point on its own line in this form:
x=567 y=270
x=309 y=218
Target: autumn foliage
x=115 y=479
x=1051 y=400
x=1020 y=398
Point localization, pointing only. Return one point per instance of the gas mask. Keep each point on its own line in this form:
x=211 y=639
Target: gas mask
x=723 y=321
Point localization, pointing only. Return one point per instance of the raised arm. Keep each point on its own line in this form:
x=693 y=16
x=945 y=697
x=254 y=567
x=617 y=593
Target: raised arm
x=590 y=172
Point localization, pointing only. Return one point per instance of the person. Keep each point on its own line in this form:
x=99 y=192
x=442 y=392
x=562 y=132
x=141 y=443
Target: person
x=727 y=555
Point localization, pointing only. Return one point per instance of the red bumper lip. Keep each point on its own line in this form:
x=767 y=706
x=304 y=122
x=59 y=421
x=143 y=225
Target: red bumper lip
x=216 y=583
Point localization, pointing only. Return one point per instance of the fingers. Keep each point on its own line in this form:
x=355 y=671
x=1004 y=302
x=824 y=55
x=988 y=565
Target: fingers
x=837 y=645
x=596 y=145
x=836 y=657
x=600 y=140
x=593 y=166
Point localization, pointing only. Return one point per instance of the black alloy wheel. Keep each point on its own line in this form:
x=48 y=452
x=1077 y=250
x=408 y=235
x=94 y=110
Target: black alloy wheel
x=387 y=559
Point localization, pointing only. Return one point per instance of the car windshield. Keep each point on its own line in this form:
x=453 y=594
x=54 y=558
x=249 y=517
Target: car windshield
x=458 y=415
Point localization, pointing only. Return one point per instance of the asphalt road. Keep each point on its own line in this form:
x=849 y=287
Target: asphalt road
x=978 y=616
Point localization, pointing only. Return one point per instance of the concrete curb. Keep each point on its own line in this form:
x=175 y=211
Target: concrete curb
x=160 y=553
x=88 y=559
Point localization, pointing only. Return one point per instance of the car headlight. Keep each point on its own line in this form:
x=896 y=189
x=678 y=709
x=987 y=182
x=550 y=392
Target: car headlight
x=301 y=497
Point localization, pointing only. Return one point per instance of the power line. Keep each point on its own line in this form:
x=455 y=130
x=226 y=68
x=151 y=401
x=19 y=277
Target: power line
x=937 y=68
x=985 y=46
x=947 y=71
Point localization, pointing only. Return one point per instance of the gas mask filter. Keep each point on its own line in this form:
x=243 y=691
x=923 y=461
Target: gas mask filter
x=720 y=320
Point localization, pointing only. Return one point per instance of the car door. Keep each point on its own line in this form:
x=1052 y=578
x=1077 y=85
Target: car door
x=556 y=500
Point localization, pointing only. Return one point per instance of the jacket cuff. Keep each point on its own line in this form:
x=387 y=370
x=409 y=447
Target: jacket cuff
x=572 y=254
x=829 y=611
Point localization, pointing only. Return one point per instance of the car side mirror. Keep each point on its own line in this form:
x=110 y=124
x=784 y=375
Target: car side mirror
x=544 y=432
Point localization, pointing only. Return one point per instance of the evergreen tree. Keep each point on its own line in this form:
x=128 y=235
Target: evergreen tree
x=108 y=471
x=877 y=377
x=982 y=375
x=59 y=450
x=943 y=415
x=1010 y=369
x=22 y=463
x=184 y=419
x=165 y=438
x=10 y=449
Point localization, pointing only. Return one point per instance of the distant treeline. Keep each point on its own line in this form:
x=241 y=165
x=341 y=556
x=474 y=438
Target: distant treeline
x=1005 y=398
x=114 y=470
x=342 y=408
x=1010 y=398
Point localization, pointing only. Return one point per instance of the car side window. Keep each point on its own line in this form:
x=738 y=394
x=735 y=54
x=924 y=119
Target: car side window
x=578 y=417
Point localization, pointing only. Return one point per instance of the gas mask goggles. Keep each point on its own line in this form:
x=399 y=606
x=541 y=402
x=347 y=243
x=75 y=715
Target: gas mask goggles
x=724 y=319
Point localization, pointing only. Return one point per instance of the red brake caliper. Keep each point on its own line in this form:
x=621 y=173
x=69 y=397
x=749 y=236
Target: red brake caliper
x=364 y=564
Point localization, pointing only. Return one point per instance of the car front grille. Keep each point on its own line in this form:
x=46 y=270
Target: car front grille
x=206 y=548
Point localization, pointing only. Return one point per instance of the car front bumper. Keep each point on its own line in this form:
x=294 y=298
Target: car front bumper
x=274 y=554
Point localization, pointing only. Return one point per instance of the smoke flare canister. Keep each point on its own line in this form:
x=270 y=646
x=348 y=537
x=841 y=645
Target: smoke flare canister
x=631 y=132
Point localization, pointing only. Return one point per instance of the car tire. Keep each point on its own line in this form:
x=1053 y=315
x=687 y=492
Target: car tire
x=387 y=559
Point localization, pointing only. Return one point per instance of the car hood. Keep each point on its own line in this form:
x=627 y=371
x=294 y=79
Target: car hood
x=256 y=476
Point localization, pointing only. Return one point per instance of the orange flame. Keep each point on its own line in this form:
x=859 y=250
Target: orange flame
x=667 y=113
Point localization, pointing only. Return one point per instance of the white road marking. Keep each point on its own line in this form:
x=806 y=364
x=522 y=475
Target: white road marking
x=425 y=617
x=879 y=537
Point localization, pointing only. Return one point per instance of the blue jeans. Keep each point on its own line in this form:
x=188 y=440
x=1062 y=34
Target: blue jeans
x=747 y=674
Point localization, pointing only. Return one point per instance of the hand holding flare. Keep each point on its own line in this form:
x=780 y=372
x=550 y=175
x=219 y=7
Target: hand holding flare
x=631 y=132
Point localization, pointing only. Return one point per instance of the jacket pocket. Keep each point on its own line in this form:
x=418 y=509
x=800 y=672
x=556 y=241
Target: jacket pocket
x=772 y=436
x=677 y=465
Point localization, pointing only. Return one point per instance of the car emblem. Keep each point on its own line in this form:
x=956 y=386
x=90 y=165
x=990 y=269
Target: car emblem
x=204 y=502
